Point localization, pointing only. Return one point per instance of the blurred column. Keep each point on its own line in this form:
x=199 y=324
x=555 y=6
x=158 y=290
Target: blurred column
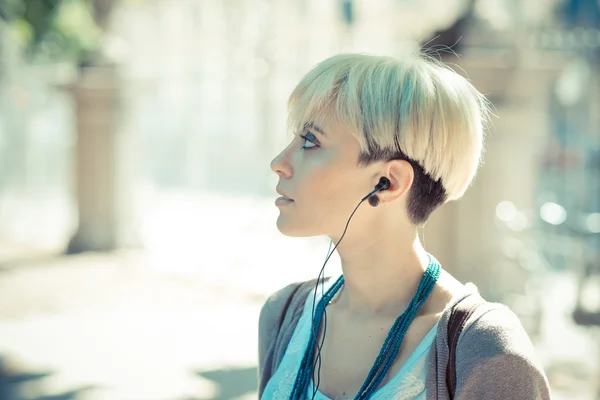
x=465 y=234
x=262 y=73
x=103 y=158
x=2 y=55
x=517 y=77
x=104 y=151
x=346 y=24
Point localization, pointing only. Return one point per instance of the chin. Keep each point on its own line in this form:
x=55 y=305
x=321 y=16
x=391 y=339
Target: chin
x=294 y=228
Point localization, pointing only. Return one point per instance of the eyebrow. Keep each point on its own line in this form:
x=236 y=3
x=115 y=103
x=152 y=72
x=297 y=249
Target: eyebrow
x=314 y=127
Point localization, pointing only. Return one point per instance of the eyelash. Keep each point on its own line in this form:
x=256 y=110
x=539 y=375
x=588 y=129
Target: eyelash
x=309 y=137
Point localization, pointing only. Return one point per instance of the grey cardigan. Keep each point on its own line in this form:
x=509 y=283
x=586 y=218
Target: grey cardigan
x=494 y=355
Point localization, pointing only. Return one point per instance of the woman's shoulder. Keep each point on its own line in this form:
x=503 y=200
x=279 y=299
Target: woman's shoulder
x=494 y=343
x=489 y=325
x=283 y=305
x=278 y=302
x=278 y=317
x=497 y=329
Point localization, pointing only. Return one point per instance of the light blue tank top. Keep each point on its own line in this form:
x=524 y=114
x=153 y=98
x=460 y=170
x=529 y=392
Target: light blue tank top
x=407 y=384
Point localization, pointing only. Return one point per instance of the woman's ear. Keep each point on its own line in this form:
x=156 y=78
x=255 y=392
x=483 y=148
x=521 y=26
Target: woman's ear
x=401 y=176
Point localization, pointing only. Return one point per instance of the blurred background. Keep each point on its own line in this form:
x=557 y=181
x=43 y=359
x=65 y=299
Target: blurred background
x=137 y=226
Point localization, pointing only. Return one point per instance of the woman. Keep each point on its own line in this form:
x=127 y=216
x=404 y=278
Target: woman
x=405 y=136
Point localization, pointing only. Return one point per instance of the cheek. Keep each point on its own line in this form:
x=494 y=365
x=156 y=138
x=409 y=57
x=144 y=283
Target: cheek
x=330 y=190
x=317 y=175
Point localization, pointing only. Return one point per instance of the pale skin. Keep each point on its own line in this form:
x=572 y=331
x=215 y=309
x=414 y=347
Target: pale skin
x=381 y=255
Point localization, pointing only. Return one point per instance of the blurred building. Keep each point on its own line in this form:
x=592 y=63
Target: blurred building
x=536 y=195
x=168 y=141
x=199 y=97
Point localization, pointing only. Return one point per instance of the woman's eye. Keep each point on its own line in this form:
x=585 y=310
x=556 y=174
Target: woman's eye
x=310 y=141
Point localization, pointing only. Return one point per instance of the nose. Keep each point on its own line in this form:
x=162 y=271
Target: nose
x=281 y=164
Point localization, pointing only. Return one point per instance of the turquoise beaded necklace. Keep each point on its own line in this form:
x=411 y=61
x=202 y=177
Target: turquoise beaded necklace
x=390 y=347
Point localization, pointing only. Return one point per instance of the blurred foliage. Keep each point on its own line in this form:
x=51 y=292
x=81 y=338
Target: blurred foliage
x=52 y=30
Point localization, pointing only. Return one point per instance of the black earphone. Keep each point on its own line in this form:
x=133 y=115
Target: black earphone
x=383 y=184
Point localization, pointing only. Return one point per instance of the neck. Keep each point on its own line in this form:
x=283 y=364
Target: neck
x=382 y=273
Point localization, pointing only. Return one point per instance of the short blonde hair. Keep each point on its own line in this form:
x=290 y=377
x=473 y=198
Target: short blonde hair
x=413 y=107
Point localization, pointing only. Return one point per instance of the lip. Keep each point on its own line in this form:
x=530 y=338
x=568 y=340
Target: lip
x=283 y=201
x=283 y=195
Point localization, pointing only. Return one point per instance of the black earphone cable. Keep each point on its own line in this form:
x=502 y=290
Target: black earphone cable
x=320 y=345
x=382 y=185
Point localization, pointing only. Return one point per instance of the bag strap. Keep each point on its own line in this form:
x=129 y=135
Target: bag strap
x=460 y=314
